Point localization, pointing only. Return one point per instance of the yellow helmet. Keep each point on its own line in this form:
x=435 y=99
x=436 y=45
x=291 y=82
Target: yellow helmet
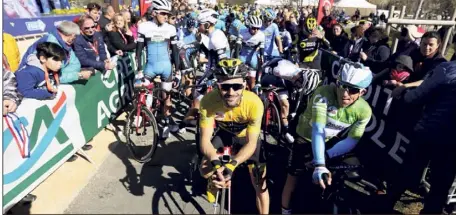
x=229 y=68
x=310 y=23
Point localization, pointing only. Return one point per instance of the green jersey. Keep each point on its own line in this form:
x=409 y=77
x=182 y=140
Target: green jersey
x=323 y=108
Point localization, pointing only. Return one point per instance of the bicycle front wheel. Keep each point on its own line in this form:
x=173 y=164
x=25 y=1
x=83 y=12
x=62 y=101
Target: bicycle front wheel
x=141 y=133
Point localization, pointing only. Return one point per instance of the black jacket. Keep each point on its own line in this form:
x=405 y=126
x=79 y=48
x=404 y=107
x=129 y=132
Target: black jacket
x=118 y=42
x=341 y=45
x=423 y=65
x=405 y=47
x=103 y=22
x=377 y=56
x=91 y=52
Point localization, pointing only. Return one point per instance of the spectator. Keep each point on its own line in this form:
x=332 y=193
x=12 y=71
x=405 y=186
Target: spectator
x=111 y=50
x=340 y=43
x=424 y=59
x=398 y=72
x=93 y=10
x=357 y=12
x=119 y=37
x=432 y=139
x=286 y=40
x=172 y=18
x=39 y=79
x=409 y=40
x=134 y=27
x=327 y=22
x=356 y=43
x=127 y=18
x=378 y=53
x=90 y=47
x=11 y=51
x=108 y=13
x=11 y=98
x=64 y=36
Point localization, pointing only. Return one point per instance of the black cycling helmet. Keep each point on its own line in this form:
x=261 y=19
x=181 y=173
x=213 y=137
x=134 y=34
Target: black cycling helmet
x=229 y=68
x=310 y=23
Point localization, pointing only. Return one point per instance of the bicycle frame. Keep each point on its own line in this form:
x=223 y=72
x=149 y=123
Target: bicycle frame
x=141 y=100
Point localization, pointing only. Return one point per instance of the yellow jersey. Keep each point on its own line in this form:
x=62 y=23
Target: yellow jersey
x=246 y=117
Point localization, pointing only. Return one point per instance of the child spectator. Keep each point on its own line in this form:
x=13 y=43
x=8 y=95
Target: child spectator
x=39 y=79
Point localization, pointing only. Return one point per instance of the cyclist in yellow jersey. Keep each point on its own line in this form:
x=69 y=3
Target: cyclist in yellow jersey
x=237 y=114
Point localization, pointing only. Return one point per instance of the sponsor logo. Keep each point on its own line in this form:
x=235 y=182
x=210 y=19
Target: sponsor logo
x=332 y=111
x=37 y=25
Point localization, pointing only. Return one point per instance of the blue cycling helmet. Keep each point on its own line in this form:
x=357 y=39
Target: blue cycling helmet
x=269 y=14
x=191 y=23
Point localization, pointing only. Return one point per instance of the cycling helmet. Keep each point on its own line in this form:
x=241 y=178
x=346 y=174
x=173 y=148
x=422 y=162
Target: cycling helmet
x=357 y=76
x=207 y=16
x=310 y=24
x=254 y=21
x=311 y=80
x=230 y=68
x=191 y=23
x=269 y=14
x=161 y=5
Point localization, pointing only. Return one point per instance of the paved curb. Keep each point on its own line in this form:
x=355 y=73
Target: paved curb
x=57 y=192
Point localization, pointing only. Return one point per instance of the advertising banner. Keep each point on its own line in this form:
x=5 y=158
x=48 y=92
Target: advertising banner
x=42 y=135
x=22 y=26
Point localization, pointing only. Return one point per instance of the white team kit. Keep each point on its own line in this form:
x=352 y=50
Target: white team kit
x=253 y=41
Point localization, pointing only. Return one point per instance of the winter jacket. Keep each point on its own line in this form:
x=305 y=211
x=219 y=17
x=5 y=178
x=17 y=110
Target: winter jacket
x=438 y=95
x=31 y=81
x=341 y=45
x=377 y=55
x=422 y=65
x=118 y=42
x=91 y=52
x=71 y=65
x=10 y=87
x=11 y=50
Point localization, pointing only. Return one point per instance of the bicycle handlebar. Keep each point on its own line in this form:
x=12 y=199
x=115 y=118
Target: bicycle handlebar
x=341 y=59
x=325 y=177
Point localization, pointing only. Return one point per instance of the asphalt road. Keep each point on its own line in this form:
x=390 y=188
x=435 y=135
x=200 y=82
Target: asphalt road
x=161 y=186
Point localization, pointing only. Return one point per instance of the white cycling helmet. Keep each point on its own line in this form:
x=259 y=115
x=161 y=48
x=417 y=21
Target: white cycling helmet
x=207 y=16
x=357 y=76
x=163 y=5
x=311 y=80
x=255 y=21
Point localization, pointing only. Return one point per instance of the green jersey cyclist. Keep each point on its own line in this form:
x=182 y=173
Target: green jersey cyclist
x=331 y=109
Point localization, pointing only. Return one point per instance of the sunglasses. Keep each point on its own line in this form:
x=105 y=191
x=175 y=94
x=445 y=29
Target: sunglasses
x=351 y=90
x=400 y=67
x=91 y=27
x=163 y=13
x=235 y=87
x=172 y=18
x=254 y=28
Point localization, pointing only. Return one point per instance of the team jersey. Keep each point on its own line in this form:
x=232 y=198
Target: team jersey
x=270 y=47
x=238 y=120
x=218 y=47
x=158 y=39
x=236 y=27
x=308 y=49
x=250 y=45
x=189 y=37
x=324 y=108
x=220 y=25
x=252 y=41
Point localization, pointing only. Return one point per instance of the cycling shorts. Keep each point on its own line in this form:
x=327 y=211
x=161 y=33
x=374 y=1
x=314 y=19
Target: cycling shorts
x=223 y=138
x=158 y=68
x=300 y=155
